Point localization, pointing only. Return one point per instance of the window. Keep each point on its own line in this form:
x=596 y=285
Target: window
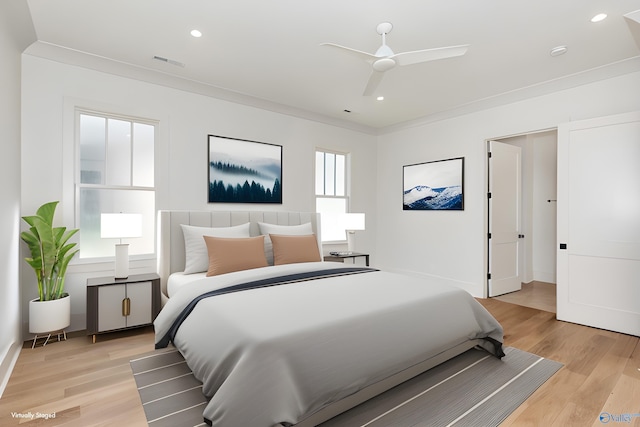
x=115 y=173
x=331 y=192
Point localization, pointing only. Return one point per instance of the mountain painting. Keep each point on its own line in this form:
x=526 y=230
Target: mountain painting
x=434 y=186
x=242 y=171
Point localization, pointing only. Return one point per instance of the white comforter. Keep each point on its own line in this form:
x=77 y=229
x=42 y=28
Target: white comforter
x=276 y=355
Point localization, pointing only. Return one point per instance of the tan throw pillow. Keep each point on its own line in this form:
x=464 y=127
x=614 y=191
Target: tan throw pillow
x=234 y=254
x=195 y=251
x=289 y=230
x=292 y=249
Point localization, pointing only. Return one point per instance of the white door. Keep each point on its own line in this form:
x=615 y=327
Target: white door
x=599 y=223
x=504 y=218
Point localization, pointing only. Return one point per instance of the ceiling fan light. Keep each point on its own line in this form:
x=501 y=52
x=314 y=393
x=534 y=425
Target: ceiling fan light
x=384 y=64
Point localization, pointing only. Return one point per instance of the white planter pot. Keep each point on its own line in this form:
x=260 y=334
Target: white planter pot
x=49 y=316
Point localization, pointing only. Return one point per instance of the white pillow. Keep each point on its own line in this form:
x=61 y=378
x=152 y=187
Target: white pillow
x=288 y=230
x=195 y=250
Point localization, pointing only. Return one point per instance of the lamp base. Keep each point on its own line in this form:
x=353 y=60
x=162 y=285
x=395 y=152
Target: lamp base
x=122 y=261
x=351 y=237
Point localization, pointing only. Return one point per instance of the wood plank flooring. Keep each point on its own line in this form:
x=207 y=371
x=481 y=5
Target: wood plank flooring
x=88 y=384
x=540 y=295
x=601 y=372
x=83 y=384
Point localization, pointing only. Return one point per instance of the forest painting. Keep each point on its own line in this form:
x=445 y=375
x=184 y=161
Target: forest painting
x=242 y=171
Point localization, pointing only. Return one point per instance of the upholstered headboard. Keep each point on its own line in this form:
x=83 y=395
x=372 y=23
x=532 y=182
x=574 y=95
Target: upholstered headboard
x=170 y=240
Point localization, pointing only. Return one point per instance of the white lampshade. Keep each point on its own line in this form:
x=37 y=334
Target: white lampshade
x=336 y=225
x=353 y=221
x=121 y=226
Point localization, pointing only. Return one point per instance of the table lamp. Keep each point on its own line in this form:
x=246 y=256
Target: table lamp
x=121 y=226
x=352 y=222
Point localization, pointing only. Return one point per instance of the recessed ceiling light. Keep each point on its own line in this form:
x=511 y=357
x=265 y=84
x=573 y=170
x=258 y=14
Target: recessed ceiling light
x=196 y=33
x=558 y=50
x=380 y=98
x=599 y=17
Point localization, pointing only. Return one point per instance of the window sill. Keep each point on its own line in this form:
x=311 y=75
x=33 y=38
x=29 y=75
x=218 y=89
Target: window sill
x=92 y=265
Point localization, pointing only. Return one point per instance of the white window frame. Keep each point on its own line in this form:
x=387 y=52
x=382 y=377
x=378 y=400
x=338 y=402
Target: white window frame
x=346 y=183
x=78 y=111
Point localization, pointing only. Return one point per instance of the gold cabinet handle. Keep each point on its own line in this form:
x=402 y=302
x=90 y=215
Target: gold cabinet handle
x=126 y=307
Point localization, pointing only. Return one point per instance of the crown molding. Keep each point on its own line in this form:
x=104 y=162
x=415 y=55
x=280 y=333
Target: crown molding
x=122 y=69
x=616 y=69
x=106 y=65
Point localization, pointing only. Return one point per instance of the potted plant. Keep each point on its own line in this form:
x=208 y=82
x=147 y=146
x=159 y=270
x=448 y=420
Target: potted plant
x=50 y=256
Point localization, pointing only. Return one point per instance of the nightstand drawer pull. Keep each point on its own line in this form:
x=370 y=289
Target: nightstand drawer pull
x=126 y=307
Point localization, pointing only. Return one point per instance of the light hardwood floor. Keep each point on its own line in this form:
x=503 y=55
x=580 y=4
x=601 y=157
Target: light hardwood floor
x=88 y=384
x=540 y=295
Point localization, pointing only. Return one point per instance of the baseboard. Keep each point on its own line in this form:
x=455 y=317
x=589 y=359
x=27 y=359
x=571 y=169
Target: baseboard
x=7 y=364
x=544 y=276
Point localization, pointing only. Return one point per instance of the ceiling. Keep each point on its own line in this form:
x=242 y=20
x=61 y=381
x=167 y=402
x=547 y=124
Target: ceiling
x=268 y=53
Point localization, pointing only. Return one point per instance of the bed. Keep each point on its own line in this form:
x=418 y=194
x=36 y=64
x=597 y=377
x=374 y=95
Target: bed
x=299 y=342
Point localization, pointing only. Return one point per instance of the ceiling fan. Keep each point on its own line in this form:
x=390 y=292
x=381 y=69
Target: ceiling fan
x=384 y=59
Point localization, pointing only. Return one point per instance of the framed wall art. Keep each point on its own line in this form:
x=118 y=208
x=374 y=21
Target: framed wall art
x=434 y=186
x=242 y=171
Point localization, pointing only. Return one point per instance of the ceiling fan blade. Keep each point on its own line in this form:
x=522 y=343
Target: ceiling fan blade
x=417 y=56
x=353 y=52
x=374 y=80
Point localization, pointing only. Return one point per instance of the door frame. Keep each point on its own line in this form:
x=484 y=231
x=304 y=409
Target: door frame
x=486 y=199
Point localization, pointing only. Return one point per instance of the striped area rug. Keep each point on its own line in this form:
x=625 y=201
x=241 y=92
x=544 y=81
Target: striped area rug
x=170 y=394
x=472 y=389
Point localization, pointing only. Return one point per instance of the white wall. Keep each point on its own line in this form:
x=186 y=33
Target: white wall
x=16 y=32
x=51 y=90
x=451 y=245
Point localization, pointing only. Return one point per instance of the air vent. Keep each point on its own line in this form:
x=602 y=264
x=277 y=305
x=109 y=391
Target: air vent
x=169 y=61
